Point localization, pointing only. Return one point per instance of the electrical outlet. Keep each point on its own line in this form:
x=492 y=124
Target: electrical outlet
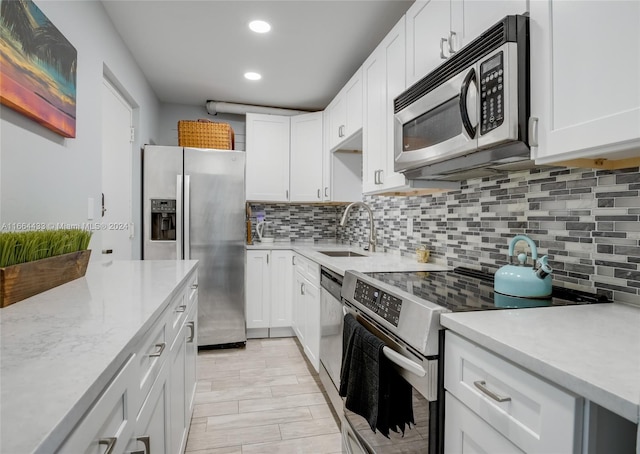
x=410 y=227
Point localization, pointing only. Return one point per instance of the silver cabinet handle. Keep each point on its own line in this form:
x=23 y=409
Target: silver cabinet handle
x=326 y=191
x=110 y=442
x=146 y=441
x=381 y=176
x=452 y=35
x=293 y=259
x=319 y=193
x=482 y=386
x=286 y=194
x=192 y=328
x=375 y=177
x=302 y=288
x=267 y=258
x=160 y=348
x=181 y=308
x=137 y=452
x=442 y=55
x=194 y=286
x=341 y=131
x=107 y=251
x=533 y=131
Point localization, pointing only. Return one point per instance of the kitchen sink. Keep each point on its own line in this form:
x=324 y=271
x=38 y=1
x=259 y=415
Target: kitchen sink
x=342 y=254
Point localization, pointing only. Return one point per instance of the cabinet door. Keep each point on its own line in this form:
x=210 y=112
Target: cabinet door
x=267 y=165
x=470 y=18
x=179 y=422
x=466 y=433
x=353 y=96
x=585 y=92
x=153 y=422
x=337 y=120
x=111 y=420
x=311 y=296
x=306 y=158
x=428 y=24
x=326 y=158
x=191 y=360
x=257 y=289
x=374 y=133
x=281 y=288
x=299 y=309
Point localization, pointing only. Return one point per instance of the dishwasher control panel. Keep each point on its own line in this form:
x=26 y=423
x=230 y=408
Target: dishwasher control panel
x=381 y=303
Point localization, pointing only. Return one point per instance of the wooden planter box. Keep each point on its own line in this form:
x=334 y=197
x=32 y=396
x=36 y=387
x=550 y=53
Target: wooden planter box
x=21 y=281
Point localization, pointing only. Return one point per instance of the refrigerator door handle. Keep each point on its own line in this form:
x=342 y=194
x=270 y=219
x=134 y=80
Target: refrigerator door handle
x=187 y=216
x=179 y=217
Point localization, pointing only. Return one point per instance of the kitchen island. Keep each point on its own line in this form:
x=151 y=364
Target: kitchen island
x=60 y=349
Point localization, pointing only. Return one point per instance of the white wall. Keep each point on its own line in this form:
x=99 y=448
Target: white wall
x=45 y=178
x=170 y=114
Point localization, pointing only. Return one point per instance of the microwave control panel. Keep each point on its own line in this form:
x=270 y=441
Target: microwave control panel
x=491 y=93
x=381 y=303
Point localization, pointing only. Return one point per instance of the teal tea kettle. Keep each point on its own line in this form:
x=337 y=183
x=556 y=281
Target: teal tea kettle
x=522 y=280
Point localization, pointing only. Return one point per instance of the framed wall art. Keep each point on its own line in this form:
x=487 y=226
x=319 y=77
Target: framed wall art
x=37 y=67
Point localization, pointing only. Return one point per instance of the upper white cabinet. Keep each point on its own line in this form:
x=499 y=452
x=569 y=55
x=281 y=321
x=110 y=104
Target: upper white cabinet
x=284 y=158
x=305 y=177
x=345 y=116
x=437 y=29
x=267 y=165
x=585 y=80
x=383 y=79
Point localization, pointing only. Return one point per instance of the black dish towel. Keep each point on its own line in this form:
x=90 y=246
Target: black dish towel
x=372 y=387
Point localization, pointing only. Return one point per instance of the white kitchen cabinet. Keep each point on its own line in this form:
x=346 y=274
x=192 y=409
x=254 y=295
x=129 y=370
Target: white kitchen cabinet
x=267 y=157
x=585 y=81
x=305 y=176
x=269 y=285
x=437 y=29
x=528 y=412
x=110 y=422
x=384 y=79
x=466 y=433
x=179 y=426
x=284 y=158
x=345 y=116
x=341 y=171
x=306 y=308
x=152 y=428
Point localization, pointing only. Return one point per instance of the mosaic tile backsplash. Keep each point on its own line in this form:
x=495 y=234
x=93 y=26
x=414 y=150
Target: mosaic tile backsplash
x=586 y=221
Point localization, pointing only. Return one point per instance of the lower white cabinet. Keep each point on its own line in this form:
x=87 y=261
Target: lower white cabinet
x=268 y=292
x=485 y=392
x=306 y=308
x=147 y=406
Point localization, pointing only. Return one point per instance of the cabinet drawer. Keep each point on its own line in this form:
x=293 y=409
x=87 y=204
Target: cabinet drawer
x=309 y=269
x=151 y=354
x=110 y=421
x=533 y=414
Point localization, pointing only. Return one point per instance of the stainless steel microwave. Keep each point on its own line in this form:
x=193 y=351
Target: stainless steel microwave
x=469 y=116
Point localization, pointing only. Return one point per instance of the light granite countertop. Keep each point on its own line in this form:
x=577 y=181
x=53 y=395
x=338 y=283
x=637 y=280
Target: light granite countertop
x=592 y=350
x=372 y=262
x=58 y=349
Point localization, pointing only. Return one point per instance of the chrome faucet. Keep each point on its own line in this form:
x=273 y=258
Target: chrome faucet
x=372 y=230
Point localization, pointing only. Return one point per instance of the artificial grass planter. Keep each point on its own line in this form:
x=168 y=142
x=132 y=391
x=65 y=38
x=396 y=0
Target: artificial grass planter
x=35 y=261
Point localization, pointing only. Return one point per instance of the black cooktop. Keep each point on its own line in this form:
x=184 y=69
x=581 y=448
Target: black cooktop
x=464 y=289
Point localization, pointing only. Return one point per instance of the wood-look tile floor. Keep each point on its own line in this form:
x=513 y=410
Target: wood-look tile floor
x=264 y=398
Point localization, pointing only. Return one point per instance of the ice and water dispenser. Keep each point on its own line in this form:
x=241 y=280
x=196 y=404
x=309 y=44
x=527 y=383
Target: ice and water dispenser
x=163 y=219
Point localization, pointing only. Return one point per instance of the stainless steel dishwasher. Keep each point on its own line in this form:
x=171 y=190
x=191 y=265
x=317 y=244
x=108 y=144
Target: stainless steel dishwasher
x=331 y=323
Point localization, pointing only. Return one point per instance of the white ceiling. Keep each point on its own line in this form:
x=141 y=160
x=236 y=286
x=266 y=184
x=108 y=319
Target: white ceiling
x=194 y=51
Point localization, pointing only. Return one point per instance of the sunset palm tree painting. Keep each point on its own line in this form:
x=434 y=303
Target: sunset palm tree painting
x=37 y=67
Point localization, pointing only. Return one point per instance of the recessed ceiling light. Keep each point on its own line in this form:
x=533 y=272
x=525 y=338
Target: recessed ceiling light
x=259 y=26
x=252 y=76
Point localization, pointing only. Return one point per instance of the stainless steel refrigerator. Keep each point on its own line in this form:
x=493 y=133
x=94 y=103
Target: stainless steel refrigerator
x=194 y=208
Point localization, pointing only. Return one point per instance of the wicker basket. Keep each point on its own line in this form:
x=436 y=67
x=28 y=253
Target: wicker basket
x=205 y=134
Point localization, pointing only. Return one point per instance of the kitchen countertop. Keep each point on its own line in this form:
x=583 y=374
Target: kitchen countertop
x=373 y=262
x=58 y=349
x=591 y=350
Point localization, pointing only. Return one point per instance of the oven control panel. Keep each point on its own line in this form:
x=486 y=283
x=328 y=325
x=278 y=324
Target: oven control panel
x=381 y=303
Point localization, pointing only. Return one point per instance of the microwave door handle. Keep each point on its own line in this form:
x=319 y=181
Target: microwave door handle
x=466 y=121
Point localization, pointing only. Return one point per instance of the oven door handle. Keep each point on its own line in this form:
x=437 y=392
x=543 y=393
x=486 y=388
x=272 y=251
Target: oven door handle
x=397 y=359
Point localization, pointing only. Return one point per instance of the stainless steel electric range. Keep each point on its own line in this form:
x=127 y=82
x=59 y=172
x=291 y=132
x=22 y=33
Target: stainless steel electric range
x=403 y=309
